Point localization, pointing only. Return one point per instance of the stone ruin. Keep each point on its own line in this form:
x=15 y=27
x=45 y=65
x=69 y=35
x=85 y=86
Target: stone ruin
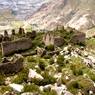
x=78 y=37
x=16 y=42
x=15 y=46
x=13 y=66
x=21 y=31
x=5 y=37
x=50 y=39
x=31 y=34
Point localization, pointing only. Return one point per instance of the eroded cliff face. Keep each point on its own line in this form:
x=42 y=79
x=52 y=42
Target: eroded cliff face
x=78 y=14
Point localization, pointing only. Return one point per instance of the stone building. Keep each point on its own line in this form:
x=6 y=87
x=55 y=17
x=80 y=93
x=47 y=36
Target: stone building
x=50 y=39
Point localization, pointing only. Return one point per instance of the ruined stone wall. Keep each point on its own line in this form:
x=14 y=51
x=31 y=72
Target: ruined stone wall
x=78 y=38
x=48 y=39
x=15 y=46
x=11 y=67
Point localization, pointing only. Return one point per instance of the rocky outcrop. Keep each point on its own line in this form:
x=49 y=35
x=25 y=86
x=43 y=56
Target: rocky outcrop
x=13 y=66
x=11 y=47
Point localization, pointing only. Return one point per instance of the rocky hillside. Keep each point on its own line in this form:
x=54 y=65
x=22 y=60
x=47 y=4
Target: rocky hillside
x=35 y=68
x=78 y=14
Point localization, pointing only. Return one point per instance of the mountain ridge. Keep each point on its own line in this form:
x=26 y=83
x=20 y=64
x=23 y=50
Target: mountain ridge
x=62 y=12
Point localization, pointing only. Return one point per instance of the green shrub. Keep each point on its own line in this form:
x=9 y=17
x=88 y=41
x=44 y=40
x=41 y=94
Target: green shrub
x=77 y=69
x=51 y=92
x=60 y=60
x=50 y=47
x=48 y=79
x=91 y=75
x=51 y=61
x=73 y=86
x=22 y=76
x=2 y=79
x=47 y=56
x=31 y=88
x=38 y=40
x=3 y=89
x=31 y=59
x=81 y=83
x=42 y=64
x=77 y=66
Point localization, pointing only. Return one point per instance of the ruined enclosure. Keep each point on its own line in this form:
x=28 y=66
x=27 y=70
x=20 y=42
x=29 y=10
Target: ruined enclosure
x=13 y=66
x=16 y=46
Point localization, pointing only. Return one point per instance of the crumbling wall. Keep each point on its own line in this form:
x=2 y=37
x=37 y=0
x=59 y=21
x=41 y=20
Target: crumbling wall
x=78 y=38
x=15 y=46
x=12 y=67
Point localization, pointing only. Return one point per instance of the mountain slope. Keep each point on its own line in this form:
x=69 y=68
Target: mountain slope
x=78 y=14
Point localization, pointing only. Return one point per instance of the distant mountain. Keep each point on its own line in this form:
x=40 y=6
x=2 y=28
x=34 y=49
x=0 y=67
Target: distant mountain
x=79 y=14
x=21 y=8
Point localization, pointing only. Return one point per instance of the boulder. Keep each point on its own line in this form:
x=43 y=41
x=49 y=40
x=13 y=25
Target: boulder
x=13 y=66
x=17 y=87
x=15 y=46
x=34 y=74
x=5 y=60
x=58 y=41
x=41 y=51
x=31 y=34
x=78 y=37
x=59 y=89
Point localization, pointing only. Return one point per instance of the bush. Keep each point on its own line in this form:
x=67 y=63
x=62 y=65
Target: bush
x=84 y=84
x=42 y=65
x=3 y=89
x=47 y=56
x=77 y=66
x=51 y=61
x=77 y=69
x=48 y=79
x=22 y=76
x=38 y=40
x=73 y=86
x=31 y=59
x=2 y=79
x=31 y=88
x=50 y=47
x=51 y=92
x=60 y=60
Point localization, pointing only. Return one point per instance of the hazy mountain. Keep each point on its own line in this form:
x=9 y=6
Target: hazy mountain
x=75 y=13
x=21 y=8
